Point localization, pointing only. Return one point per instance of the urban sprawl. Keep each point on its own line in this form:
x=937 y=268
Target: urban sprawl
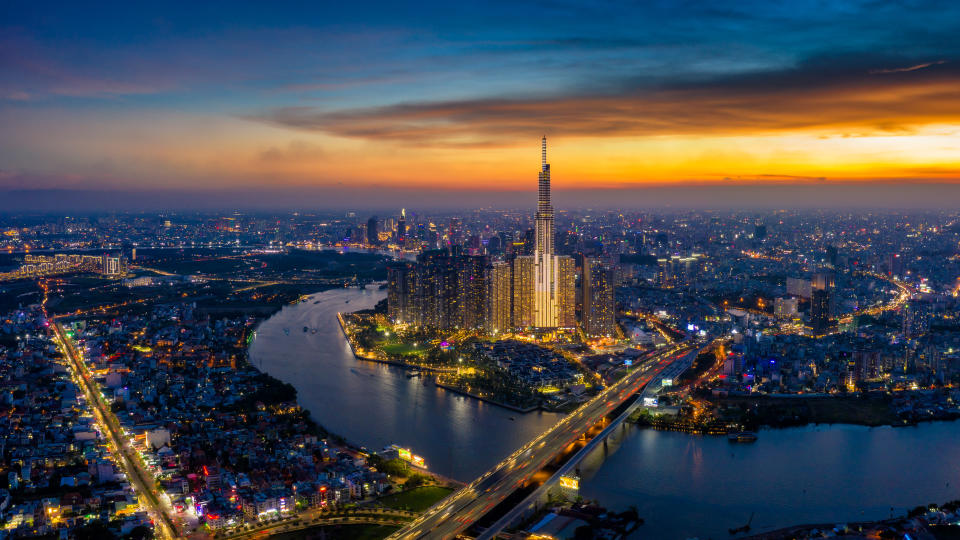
x=130 y=407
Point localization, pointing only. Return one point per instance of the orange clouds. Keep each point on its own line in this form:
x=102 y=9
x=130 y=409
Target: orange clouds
x=895 y=100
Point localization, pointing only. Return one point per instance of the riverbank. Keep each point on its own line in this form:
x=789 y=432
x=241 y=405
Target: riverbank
x=373 y=358
x=514 y=408
x=432 y=369
x=272 y=383
x=375 y=404
x=871 y=410
x=752 y=414
x=928 y=521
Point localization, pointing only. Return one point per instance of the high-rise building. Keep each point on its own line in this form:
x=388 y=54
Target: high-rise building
x=785 y=308
x=832 y=255
x=471 y=291
x=799 y=287
x=455 y=231
x=110 y=265
x=915 y=320
x=823 y=280
x=442 y=290
x=499 y=296
x=546 y=269
x=401 y=307
x=894 y=264
x=437 y=281
x=597 y=298
x=523 y=306
x=494 y=245
x=567 y=295
x=402 y=227
x=549 y=287
x=373 y=234
x=544 y=226
x=820 y=310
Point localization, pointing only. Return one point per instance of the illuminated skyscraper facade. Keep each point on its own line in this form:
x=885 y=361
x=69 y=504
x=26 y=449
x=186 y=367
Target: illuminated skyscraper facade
x=499 y=296
x=523 y=305
x=550 y=300
x=401 y=292
x=597 y=287
x=544 y=217
x=567 y=293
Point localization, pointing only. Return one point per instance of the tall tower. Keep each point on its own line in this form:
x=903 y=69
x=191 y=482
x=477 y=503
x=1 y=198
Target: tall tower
x=544 y=217
x=546 y=265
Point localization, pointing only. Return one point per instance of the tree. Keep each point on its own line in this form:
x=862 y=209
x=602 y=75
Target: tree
x=583 y=532
x=415 y=480
x=95 y=530
x=395 y=467
x=141 y=532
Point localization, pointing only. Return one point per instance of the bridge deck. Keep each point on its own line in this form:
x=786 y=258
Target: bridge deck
x=458 y=512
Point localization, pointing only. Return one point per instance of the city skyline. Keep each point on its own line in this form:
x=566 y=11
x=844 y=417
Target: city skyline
x=267 y=371
x=281 y=270
x=749 y=104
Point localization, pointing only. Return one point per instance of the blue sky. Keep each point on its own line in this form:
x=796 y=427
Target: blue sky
x=380 y=79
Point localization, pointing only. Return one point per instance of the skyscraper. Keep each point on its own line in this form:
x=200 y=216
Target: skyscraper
x=402 y=227
x=498 y=297
x=373 y=234
x=471 y=290
x=544 y=216
x=567 y=292
x=820 y=310
x=523 y=309
x=551 y=299
x=400 y=294
x=597 y=289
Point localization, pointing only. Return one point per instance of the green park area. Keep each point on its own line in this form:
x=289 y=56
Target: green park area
x=416 y=499
x=398 y=348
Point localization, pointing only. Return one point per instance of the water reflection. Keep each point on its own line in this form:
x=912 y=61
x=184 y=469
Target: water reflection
x=374 y=404
x=686 y=486
x=683 y=485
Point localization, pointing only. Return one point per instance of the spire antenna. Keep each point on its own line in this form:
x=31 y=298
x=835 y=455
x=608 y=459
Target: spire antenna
x=543 y=153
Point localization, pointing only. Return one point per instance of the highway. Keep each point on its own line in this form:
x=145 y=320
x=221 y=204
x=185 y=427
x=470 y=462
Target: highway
x=458 y=512
x=139 y=477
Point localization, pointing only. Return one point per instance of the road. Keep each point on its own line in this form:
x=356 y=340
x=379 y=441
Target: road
x=141 y=479
x=456 y=513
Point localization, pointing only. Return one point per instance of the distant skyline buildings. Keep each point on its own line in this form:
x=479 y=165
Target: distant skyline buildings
x=734 y=195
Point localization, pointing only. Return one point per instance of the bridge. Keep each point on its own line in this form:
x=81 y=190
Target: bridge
x=322 y=518
x=501 y=495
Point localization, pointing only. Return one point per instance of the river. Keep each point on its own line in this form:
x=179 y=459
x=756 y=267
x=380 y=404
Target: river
x=688 y=486
x=683 y=485
x=373 y=404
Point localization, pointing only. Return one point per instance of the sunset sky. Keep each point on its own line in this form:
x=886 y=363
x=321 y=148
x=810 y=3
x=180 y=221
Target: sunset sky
x=352 y=98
